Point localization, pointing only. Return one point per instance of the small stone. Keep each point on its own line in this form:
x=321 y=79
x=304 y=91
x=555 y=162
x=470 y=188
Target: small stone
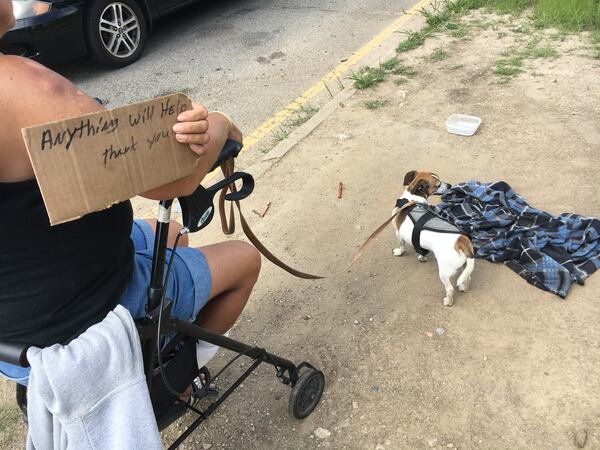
x=440 y=330
x=580 y=438
x=388 y=442
x=485 y=358
x=379 y=447
x=343 y=136
x=371 y=319
x=432 y=442
x=322 y=433
x=306 y=317
x=355 y=322
x=355 y=405
x=206 y=446
x=451 y=445
x=402 y=94
x=429 y=334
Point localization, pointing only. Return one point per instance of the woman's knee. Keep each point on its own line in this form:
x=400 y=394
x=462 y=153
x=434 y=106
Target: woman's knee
x=248 y=257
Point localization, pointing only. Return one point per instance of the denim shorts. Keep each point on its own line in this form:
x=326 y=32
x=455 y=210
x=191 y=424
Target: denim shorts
x=189 y=285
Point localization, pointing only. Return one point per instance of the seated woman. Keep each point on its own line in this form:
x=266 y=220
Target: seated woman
x=57 y=281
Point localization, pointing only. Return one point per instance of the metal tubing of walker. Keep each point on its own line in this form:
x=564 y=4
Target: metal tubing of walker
x=195 y=331
x=214 y=405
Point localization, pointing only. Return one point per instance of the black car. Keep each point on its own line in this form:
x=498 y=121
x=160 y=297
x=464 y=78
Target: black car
x=113 y=32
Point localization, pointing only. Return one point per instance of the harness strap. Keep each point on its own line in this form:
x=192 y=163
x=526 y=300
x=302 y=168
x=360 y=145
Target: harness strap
x=416 y=234
x=229 y=227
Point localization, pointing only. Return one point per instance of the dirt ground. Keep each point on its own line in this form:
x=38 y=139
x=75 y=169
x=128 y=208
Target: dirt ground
x=509 y=365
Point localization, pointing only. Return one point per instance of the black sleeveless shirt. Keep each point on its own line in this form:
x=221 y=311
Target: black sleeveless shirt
x=57 y=281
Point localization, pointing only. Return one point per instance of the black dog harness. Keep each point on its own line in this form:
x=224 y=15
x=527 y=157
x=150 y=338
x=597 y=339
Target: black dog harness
x=423 y=218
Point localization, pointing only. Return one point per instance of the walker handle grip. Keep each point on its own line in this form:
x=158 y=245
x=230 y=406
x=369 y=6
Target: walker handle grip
x=230 y=150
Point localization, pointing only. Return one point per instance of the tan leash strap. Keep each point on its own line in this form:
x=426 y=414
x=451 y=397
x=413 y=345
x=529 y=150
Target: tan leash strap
x=229 y=228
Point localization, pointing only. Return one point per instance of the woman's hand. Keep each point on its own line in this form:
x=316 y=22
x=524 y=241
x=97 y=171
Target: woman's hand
x=191 y=128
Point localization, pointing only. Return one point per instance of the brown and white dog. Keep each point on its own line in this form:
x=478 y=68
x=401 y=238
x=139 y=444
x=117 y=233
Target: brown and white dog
x=451 y=248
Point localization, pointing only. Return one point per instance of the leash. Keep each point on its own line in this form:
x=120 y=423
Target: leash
x=228 y=227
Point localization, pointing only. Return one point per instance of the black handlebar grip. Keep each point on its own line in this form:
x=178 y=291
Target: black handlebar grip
x=14 y=354
x=230 y=150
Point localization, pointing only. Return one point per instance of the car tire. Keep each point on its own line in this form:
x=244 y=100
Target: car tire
x=116 y=31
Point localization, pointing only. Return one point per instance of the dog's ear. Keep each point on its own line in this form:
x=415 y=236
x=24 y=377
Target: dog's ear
x=409 y=177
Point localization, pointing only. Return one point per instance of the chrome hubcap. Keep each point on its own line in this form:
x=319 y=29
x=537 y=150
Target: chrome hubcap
x=119 y=30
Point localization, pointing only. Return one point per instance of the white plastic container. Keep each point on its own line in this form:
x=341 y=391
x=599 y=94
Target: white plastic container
x=462 y=124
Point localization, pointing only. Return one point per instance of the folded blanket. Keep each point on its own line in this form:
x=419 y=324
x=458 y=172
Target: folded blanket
x=549 y=252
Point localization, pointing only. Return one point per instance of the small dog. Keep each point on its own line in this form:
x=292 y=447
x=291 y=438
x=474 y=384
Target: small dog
x=426 y=231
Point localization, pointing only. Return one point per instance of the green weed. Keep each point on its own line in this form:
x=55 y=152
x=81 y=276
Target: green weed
x=415 y=39
x=390 y=64
x=406 y=71
x=374 y=104
x=437 y=55
x=367 y=77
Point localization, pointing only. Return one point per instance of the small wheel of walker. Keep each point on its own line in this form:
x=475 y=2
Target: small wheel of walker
x=306 y=393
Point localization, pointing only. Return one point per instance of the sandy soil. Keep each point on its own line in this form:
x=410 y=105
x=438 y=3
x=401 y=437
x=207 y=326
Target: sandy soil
x=509 y=366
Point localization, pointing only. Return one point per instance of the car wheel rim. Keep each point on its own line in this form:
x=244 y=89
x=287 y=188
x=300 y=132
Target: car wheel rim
x=119 y=30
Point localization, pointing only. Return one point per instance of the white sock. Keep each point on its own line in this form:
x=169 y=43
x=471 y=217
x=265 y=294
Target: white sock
x=206 y=351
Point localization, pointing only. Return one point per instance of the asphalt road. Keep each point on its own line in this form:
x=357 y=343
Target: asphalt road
x=247 y=57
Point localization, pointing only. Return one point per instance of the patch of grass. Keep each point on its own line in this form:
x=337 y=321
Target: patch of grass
x=400 y=81
x=508 y=6
x=406 y=71
x=436 y=16
x=481 y=24
x=507 y=70
x=374 y=104
x=304 y=113
x=544 y=52
x=509 y=67
x=559 y=36
x=415 y=39
x=457 y=66
x=390 y=64
x=9 y=417
x=367 y=77
x=460 y=32
x=301 y=116
x=439 y=54
x=572 y=15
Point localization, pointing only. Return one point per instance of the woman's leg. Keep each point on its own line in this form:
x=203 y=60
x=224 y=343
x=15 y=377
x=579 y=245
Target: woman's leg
x=234 y=268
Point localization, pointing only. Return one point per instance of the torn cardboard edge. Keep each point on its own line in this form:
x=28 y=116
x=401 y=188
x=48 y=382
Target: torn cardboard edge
x=88 y=163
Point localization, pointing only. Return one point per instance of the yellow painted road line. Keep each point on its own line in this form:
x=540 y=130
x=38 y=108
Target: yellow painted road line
x=334 y=74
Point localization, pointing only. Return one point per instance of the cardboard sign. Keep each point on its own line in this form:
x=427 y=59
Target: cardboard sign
x=91 y=162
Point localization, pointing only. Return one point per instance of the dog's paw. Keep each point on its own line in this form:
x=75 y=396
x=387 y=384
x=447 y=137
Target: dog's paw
x=463 y=287
x=422 y=258
x=448 y=301
x=398 y=251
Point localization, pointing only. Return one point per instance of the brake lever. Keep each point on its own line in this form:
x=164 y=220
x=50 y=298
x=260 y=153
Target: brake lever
x=198 y=208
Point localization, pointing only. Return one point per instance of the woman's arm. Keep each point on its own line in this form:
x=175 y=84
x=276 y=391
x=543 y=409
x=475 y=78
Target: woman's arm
x=31 y=94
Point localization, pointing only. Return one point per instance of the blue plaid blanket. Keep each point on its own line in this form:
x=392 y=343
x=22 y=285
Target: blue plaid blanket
x=549 y=252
